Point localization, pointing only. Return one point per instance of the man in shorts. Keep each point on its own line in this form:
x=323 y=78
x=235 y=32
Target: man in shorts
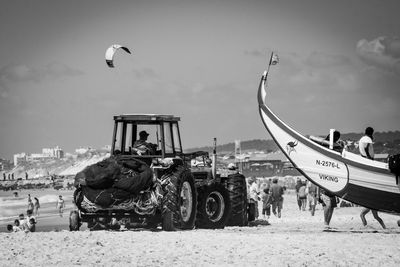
x=312 y=196
x=277 y=197
x=328 y=201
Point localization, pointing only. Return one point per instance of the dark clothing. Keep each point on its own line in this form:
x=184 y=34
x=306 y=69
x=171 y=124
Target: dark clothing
x=267 y=200
x=267 y=211
x=332 y=198
x=276 y=192
x=312 y=190
x=298 y=185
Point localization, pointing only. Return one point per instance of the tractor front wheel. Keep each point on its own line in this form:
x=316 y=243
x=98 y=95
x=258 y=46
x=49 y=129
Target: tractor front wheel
x=214 y=207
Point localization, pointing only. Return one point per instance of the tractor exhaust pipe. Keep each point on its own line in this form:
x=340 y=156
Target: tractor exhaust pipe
x=214 y=159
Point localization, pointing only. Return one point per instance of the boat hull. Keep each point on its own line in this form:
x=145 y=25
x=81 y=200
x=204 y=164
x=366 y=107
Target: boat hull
x=347 y=175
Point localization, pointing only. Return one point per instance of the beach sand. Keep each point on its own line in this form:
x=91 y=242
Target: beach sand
x=297 y=239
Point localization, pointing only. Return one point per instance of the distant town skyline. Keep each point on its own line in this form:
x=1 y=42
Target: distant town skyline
x=200 y=60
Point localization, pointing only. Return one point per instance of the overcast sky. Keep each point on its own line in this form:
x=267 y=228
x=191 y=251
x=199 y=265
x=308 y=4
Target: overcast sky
x=200 y=60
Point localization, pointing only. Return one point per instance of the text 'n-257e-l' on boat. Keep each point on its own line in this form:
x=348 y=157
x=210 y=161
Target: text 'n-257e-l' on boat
x=347 y=175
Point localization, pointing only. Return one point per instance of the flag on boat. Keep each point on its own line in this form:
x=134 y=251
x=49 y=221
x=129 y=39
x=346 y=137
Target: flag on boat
x=274 y=59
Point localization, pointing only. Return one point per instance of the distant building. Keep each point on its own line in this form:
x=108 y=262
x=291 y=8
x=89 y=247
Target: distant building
x=261 y=164
x=18 y=158
x=5 y=164
x=36 y=156
x=47 y=153
x=55 y=152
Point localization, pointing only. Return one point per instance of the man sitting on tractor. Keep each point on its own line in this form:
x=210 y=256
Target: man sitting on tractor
x=142 y=147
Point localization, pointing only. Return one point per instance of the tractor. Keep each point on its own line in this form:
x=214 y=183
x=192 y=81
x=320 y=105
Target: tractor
x=182 y=190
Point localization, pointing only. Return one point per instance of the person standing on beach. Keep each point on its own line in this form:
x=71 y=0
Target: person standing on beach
x=60 y=205
x=254 y=194
x=36 y=206
x=303 y=196
x=374 y=213
x=297 y=187
x=30 y=205
x=312 y=196
x=267 y=200
x=277 y=197
x=328 y=201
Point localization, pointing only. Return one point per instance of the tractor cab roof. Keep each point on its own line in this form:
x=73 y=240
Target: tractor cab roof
x=146 y=117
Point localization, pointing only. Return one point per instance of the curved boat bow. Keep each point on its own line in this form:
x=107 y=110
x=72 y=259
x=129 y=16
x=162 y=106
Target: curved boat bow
x=349 y=176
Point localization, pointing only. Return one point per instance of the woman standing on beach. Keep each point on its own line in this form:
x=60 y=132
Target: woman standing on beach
x=30 y=205
x=36 y=207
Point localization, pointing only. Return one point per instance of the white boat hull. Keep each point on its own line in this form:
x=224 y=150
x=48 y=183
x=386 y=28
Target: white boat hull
x=347 y=175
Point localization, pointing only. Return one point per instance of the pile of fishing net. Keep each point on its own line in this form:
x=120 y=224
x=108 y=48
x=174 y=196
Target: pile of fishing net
x=117 y=183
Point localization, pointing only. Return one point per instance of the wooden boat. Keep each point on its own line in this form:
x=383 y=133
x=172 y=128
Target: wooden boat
x=347 y=175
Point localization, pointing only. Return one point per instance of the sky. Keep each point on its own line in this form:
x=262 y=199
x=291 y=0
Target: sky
x=200 y=60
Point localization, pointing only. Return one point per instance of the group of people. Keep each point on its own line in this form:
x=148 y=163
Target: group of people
x=11 y=176
x=27 y=224
x=329 y=201
x=306 y=193
x=271 y=197
x=23 y=224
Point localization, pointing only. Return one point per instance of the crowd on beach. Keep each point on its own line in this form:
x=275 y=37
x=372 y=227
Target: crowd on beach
x=28 y=224
x=308 y=196
x=271 y=194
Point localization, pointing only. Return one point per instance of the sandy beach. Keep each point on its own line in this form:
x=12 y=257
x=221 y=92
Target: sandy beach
x=297 y=239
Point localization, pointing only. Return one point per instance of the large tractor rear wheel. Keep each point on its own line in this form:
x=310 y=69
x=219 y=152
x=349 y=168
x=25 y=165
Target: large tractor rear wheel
x=237 y=189
x=214 y=207
x=179 y=201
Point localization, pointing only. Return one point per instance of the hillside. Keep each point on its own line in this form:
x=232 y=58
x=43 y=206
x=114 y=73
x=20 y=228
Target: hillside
x=385 y=142
x=257 y=144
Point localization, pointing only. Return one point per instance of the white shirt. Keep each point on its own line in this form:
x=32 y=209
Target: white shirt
x=254 y=191
x=16 y=229
x=362 y=145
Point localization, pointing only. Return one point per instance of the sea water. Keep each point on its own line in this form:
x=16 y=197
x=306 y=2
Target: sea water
x=11 y=206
